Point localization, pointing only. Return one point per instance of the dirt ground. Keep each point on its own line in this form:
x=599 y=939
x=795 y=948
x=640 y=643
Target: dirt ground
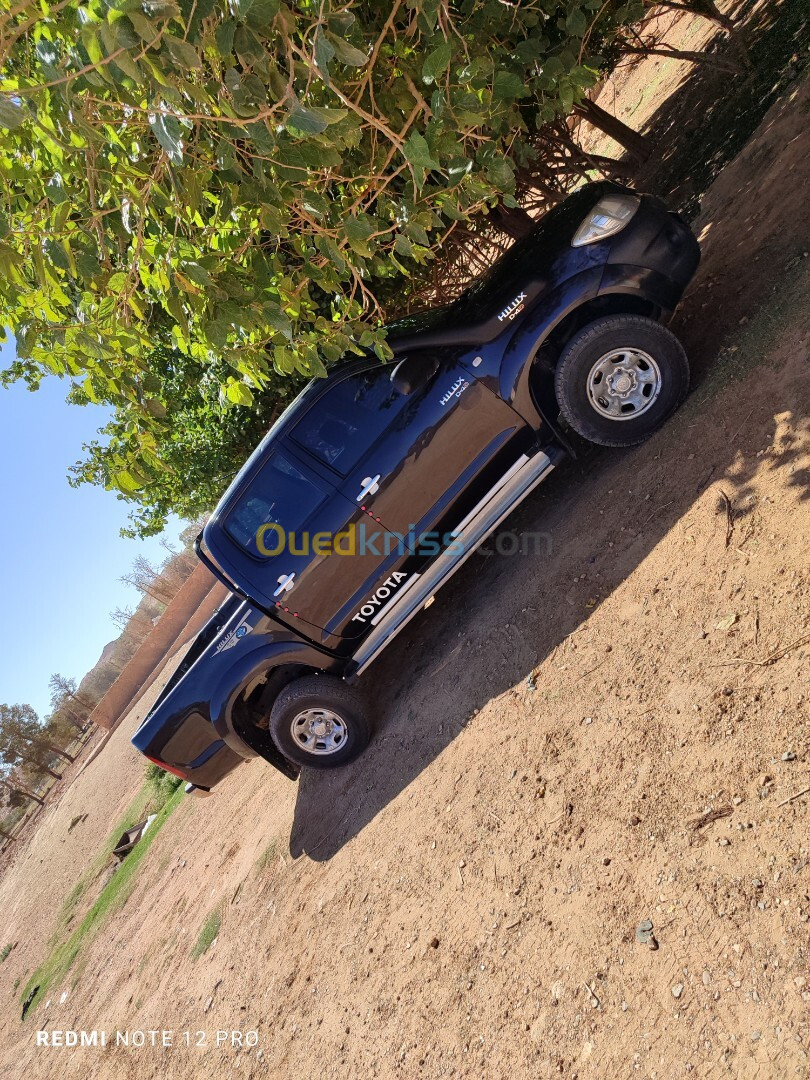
x=600 y=730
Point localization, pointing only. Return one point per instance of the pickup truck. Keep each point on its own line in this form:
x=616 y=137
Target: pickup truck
x=381 y=479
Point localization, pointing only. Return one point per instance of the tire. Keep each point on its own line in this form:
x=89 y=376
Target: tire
x=308 y=705
x=593 y=372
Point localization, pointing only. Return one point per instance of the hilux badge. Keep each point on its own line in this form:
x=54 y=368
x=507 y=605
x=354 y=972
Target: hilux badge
x=513 y=309
x=455 y=391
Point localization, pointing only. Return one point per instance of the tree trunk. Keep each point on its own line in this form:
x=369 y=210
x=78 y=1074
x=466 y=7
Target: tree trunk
x=84 y=704
x=7 y=835
x=62 y=753
x=22 y=791
x=633 y=141
x=512 y=220
x=41 y=765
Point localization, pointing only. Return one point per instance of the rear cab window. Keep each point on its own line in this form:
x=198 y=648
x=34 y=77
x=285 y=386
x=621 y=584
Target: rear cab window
x=348 y=418
x=279 y=495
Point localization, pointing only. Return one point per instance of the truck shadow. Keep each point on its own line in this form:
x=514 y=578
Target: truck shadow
x=597 y=518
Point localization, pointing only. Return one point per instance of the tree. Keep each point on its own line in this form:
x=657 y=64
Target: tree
x=121 y=617
x=15 y=789
x=194 y=452
x=239 y=182
x=62 y=687
x=145 y=577
x=23 y=740
x=66 y=699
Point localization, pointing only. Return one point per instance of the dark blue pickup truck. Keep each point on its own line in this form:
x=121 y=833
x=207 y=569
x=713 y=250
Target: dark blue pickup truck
x=380 y=480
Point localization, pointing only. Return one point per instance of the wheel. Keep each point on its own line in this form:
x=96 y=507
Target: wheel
x=620 y=378
x=320 y=722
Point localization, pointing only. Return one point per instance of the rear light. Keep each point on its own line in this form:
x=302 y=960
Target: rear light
x=168 y=768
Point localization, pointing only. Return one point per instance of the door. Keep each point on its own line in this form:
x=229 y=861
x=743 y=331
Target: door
x=450 y=440
x=410 y=466
x=308 y=561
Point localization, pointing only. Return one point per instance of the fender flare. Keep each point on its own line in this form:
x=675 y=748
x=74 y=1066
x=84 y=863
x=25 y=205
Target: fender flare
x=250 y=665
x=639 y=282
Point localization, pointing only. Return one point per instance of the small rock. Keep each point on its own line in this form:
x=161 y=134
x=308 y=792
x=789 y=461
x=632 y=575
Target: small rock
x=635 y=820
x=461 y=864
x=756 y=1036
x=605 y=862
x=208 y=1004
x=736 y=800
x=800 y=981
x=706 y=978
x=434 y=943
x=788 y=756
x=724 y=841
x=644 y=932
x=677 y=990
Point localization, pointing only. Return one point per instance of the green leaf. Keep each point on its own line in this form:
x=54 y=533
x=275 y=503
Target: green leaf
x=576 y=24
x=238 y=393
x=224 y=36
x=303 y=122
x=358 y=231
x=156 y=408
x=324 y=52
x=261 y=14
x=508 y=86
x=125 y=481
x=436 y=63
x=181 y=52
x=500 y=174
x=417 y=152
x=167 y=132
x=346 y=53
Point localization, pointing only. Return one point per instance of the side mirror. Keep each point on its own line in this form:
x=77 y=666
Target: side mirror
x=414 y=372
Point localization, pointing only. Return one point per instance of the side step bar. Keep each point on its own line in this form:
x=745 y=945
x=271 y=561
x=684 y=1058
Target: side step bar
x=496 y=505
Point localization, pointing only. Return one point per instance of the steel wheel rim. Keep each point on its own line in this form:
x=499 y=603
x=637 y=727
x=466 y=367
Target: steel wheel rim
x=624 y=384
x=319 y=731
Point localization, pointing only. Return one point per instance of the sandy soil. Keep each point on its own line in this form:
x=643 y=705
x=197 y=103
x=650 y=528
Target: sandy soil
x=464 y=899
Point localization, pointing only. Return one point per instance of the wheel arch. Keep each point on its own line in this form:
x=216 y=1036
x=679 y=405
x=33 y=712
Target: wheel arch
x=250 y=689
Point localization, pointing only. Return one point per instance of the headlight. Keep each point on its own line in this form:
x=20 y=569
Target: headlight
x=608 y=217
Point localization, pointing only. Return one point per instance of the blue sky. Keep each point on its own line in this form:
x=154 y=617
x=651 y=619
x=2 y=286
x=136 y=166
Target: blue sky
x=61 y=556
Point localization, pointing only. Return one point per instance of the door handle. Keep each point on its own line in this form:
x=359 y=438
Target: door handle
x=285 y=583
x=371 y=485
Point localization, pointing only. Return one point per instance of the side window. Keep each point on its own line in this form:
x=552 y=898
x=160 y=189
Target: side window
x=279 y=495
x=349 y=418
